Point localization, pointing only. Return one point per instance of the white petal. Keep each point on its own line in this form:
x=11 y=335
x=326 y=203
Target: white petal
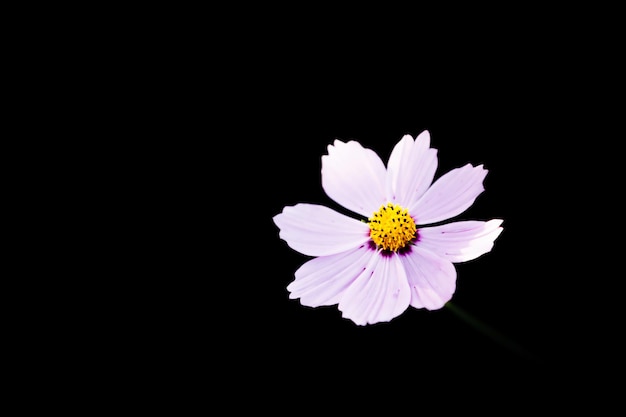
x=412 y=166
x=380 y=293
x=322 y=281
x=460 y=241
x=450 y=195
x=432 y=278
x=354 y=177
x=316 y=230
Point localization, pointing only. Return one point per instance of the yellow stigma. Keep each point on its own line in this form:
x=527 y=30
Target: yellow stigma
x=391 y=227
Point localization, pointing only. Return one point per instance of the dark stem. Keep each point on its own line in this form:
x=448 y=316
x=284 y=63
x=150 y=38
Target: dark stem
x=490 y=332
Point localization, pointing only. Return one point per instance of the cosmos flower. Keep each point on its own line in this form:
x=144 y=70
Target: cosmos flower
x=396 y=251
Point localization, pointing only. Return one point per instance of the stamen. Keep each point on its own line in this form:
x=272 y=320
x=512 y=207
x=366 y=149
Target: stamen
x=391 y=227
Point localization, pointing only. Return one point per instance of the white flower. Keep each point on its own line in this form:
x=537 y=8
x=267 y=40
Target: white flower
x=375 y=267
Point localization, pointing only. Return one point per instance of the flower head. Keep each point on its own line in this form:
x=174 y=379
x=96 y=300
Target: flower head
x=393 y=257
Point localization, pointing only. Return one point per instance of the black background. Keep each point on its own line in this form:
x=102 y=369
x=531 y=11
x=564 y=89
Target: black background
x=190 y=129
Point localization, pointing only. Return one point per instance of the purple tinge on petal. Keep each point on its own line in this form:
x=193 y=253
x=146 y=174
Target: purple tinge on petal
x=412 y=167
x=450 y=195
x=354 y=177
x=432 y=279
x=380 y=292
x=317 y=230
x=460 y=241
x=322 y=281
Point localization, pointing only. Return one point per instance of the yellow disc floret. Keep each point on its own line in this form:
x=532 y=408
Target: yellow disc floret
x=391 y=227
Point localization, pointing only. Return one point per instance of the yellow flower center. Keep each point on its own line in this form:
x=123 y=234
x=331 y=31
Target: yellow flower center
x=391 y=227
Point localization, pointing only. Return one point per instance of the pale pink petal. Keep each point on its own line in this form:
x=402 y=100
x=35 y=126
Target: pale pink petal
x=460 y=241
x=450 y=195
x=322 y=281
x=354 y=177
x=412 y=167
x=380 y=292
x=316 y=230
x=432 y=278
